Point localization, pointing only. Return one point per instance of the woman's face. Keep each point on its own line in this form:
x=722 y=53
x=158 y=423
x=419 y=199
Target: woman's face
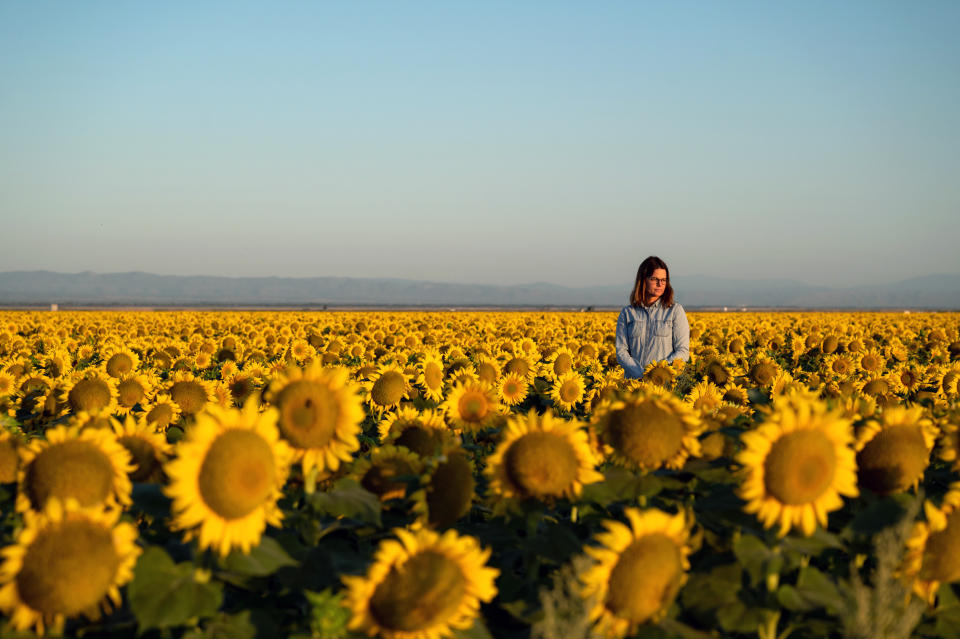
x=655 y=285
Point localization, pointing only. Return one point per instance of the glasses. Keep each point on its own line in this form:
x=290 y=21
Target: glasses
x=657 y=280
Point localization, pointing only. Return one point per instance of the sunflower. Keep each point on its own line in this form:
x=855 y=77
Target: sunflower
x=932 y=554
x=541 y=457
x=423 y=433
x=378 y=472
x=240 y=386
x=227 y=477
x=512 y=389
x=705 y=397
x=190 y=393
x=872 y=362
x=488 y=370
x=637 y=570
x=161 y=412
x=148 y=449
x=119 y=362
x=320 y=413
x=567 y=390
x=430 y=376
x=66 y=561
x=87 y=465
x=660 y=373
x=797 y=464
x=471 y=406
x=448 y=489
x=838 y=366
x=894 y=451
x=763 y=371
x=386 y=388
x=92 y=391
x=132 y=389
x=559 y=362
x=649 y=430
x=424 y=585
x=522 y=365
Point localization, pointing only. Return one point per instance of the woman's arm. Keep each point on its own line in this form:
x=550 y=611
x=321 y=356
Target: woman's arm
x=681 y=335
x=631 y=367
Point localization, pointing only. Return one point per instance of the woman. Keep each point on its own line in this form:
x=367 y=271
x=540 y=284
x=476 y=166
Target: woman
x=653 y=327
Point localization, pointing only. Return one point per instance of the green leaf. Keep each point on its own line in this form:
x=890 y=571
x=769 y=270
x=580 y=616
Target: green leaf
x=328 y=616
x=790 y=599
x=754 y=555
x=163 y=594
x=706 y=593
x=348 y=499
x=813 y=590
x=225 y=626
x=738 y=617
x=263 y=560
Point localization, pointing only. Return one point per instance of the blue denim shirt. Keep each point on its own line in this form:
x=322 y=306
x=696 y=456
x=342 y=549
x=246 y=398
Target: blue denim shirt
x=651 y=333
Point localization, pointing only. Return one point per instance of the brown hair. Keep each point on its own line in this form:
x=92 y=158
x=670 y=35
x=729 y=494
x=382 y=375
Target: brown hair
x=647 y=267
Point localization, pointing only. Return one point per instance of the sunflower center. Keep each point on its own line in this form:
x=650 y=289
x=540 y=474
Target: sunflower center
x=190 y=396
x=893 y=460
x=763 y=373
x=433 y=375
x=381 y=478
x=426 y=590
x=237 y=474
x=840 y=366
x=570 y=392
x=143 y=456
x=160 y=415
x=562 y=364
x=870 y=362
x=74 y=468
x=473 y=407
x=240 y=387
x=660 y=377
x=486 y=372
x=541 y=464
x=800 y=467
x=129 y=393
x=450 y=491
x=941 y=556
x=876 y=387
x=89 y=395
x=646 y=434
x=717 y=373
x=512 y=388
x=419 y=440
x=645 y=578
x=517 y=365
x=68 y=568
x=119 y=365
x=308 y=414
x=388 y=389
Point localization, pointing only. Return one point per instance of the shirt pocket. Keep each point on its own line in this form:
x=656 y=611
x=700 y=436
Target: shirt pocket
x=663 y=329
x=635 y=328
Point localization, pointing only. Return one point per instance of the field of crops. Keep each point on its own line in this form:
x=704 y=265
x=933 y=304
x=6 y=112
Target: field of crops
x=419 y=475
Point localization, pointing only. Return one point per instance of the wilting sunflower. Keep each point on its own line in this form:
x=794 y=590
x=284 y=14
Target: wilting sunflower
x=797 y=464
x=637 y=571
x=386 y=388
x=513 y=389
x=190 y=393
x=87 y=465
x=319 y=415
x=447 y=489
x=541 y=457
x=894 y=451
x=471 y=406
x=66 y=561
x=424 y=585
x=227 y=477
x=649 y=430
x=379 y=471
x=161 y=412
x=567 y=390
x=932 y=555
x=92 y=391
x=148 y=449
x=423 y=433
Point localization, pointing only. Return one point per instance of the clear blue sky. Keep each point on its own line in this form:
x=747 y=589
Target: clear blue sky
x=495 y=142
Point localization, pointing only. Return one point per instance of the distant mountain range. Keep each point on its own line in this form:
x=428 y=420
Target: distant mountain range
x=22 y=288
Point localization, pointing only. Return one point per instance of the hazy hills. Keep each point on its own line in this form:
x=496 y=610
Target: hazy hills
x=146 y=289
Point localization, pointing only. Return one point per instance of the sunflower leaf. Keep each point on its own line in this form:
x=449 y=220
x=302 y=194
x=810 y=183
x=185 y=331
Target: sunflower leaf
x=348 y=499
x=163 y=594
x=263 y=560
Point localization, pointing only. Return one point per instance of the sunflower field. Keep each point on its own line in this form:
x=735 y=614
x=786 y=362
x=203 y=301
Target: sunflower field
x=418 y=475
